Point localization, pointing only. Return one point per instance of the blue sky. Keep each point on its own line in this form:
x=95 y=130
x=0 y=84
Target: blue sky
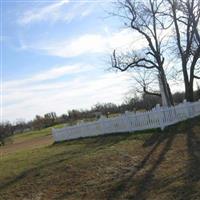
x=56 y=56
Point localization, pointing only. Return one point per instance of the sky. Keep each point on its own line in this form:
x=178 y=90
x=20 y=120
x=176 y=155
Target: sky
x=56 y=56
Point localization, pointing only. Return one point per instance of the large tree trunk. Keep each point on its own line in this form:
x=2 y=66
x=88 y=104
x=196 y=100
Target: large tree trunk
x=186 y=25
x=189 y=95
x=189 y=91
x=166 y=88
x=170 y=95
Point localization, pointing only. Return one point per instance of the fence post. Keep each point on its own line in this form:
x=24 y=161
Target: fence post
x=101 y=124
x=198 y=110
x=187 y=108
x=160 y=116
x=53 y=131
x=128 y=121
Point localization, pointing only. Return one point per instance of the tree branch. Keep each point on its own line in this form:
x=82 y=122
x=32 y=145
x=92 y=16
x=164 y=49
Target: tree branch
x=118 y=63
x=151 y=93
x=197 y=77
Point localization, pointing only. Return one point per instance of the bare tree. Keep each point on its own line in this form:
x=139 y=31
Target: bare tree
x=144 y=17
x=146 y=80
x=6 y=130
x=185 y=15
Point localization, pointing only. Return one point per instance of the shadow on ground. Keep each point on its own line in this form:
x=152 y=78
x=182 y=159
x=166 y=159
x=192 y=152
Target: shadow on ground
x=164 y=141
x=189 y=189
x=138 y=184
x=87 y=146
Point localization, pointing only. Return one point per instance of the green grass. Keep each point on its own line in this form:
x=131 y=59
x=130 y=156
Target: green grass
x=34 y=134
x=143 y=165
x=29 y=158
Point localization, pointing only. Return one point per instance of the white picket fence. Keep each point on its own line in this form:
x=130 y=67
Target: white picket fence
x=158 y=117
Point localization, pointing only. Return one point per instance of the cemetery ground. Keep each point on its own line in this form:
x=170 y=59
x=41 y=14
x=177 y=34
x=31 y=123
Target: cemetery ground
x=150 y=165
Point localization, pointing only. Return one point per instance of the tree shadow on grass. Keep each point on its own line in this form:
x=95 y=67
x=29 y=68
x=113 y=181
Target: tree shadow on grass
x=88 y=146
x=147 y=179
x=157 y=139
x=189 y=190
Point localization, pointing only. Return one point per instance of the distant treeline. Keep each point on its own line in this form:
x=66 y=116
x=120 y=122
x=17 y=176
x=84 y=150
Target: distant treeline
x=145 y=102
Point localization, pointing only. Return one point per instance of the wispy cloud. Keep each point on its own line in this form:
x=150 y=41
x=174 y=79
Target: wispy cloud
x=90 y=43
x=82 y=91
x=64 y=10
x=51 y=74
x=42 y=13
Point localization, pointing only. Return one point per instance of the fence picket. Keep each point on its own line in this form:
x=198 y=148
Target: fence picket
x=158 y=117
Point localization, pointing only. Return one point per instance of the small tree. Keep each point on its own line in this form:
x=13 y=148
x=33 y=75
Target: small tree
x=50 y=119
x=6 y=130
x=38 y=123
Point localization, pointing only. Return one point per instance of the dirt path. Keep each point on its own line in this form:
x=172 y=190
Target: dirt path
x=31 y=143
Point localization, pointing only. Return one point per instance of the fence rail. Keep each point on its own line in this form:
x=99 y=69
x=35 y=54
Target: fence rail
x=158 y=117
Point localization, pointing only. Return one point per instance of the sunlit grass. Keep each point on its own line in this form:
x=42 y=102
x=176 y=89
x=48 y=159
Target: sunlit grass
x=151 y=164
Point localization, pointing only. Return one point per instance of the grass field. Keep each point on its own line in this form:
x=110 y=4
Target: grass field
x=150 y=165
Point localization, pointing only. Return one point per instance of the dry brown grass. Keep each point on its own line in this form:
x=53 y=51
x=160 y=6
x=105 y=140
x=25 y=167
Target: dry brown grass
x=142 y=166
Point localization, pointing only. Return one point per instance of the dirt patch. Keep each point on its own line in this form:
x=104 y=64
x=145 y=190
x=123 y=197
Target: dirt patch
x=28 y=144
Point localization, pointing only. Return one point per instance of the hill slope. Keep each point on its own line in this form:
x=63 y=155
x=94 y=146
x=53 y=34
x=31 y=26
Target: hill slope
x=150 y=165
